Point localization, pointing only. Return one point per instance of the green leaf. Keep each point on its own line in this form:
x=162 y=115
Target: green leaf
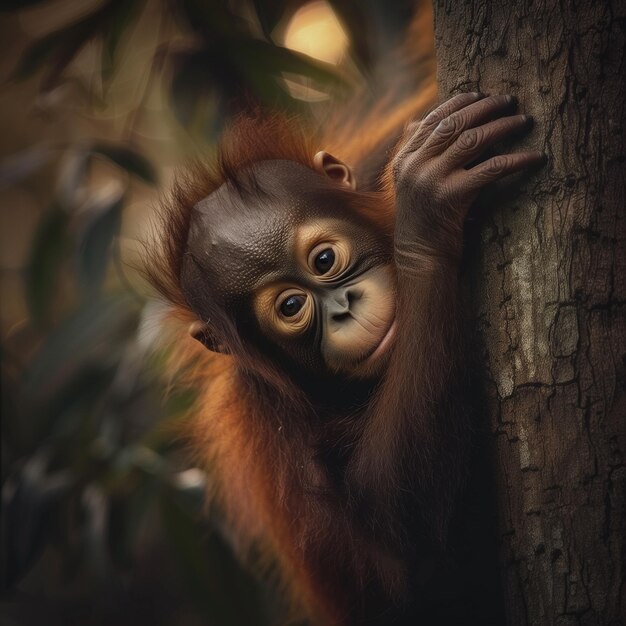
x=76 y=361
x=57 y=48
x=92 y=329
x=35 y=56
x=95 y=240
x=128 y=159
x=185 y=537
x=212 y=19
x=200 y=572
x=128 y=518
x=59 y=410
x=62 y=59
x=124 y=16
x=214 y=577
x=261 y=64
x=270 y=13
x=28 y=499
x=46 y=257
x=194 y=92
x=260 y=57
x=61 y=46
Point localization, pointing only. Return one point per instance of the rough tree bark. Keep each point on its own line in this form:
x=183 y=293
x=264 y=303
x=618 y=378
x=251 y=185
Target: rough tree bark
x=550 y=293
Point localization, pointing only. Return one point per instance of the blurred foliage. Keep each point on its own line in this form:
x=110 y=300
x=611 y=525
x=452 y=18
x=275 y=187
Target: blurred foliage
x=102 y=518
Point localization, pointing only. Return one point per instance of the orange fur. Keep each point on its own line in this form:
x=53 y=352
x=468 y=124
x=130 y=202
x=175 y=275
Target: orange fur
x=245 y=439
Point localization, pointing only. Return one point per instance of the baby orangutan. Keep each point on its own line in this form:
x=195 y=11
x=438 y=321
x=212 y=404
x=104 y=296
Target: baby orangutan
x=326 y=299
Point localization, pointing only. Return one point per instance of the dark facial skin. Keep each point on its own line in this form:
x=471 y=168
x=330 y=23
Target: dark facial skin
x=293 y=265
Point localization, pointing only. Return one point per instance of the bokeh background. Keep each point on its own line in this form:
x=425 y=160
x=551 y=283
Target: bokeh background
x=103 y=520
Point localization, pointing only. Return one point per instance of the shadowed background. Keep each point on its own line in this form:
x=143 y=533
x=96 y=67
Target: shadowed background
x=102 y=514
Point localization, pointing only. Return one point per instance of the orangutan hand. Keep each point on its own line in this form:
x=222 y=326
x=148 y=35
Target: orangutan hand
x=437 y=174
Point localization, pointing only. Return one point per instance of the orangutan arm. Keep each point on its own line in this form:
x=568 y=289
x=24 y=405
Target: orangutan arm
x=415 y=433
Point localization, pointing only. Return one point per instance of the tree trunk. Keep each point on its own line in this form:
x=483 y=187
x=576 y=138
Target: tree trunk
x=549 y=287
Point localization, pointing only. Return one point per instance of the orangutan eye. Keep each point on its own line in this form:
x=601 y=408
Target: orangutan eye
x=291 y=306
x=324 y=261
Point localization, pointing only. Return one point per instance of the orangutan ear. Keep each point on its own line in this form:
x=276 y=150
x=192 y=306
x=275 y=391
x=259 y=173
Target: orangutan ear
x=202 y=332
x=332 y=167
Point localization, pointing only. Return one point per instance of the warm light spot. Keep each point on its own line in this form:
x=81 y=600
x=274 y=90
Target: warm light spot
x=316 y=31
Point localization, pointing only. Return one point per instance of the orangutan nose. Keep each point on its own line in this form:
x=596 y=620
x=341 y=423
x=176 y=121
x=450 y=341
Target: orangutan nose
x=341 y=302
